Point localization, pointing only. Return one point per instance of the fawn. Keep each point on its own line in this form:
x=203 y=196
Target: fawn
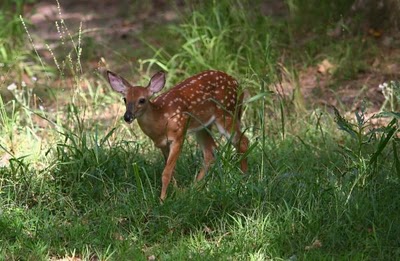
x=191 y=106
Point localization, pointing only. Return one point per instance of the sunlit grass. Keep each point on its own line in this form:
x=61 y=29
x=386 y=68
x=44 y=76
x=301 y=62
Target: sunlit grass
x=77 y=182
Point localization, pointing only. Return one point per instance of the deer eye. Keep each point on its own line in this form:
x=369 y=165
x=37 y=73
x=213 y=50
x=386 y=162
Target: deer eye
x=124 y=100
x=142 y=100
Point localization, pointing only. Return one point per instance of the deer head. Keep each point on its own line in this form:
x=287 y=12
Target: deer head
x=136 y=98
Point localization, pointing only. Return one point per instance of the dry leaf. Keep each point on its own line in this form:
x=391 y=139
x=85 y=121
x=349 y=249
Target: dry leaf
x=66 y=259
x=326 y=67
x=170 y=16
x=118 y=236
x=375 y=32
x=316 y=244
x=207 y=230
x=5 y=160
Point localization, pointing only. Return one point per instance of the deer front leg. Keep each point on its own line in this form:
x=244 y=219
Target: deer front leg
x=174 y=151
x=165 y=152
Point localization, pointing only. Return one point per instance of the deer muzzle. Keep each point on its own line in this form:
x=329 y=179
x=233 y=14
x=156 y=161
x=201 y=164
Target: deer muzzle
x=129 y=117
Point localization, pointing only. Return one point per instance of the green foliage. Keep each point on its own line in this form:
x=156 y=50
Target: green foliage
x=99 y=196
x=317 y=15
x=221 y=35
x=368 y=149
x=232 y=37
x=89 y=190
x=391 y=92
x=12 y=52
x=11 y=28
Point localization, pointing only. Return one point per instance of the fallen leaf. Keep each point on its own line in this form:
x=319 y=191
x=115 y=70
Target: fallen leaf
x=316 y=244
x=66 y=259
x=326 y=67
x=207 y=230
x=375 y=32
x=170 y=16
x=5 y=160
x=118 y=236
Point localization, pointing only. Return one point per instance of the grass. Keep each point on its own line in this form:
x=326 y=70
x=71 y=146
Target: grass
x=89 y=189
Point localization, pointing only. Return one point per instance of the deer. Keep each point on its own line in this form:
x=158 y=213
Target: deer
x=192 y=106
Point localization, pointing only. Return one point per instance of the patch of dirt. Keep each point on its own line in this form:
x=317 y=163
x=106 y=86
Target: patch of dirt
x=110 y=25
x=318 y=87
x=108 y=31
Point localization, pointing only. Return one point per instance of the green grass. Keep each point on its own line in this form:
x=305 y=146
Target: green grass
x=103 y=199
x=319 y=187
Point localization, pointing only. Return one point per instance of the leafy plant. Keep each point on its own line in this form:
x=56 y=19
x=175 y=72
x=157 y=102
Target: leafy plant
x=92 y=193
x=391 y=92
x=369 y=144
x=13 y=56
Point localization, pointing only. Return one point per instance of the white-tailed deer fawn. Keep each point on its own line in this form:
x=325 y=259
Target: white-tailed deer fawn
x=191 y=106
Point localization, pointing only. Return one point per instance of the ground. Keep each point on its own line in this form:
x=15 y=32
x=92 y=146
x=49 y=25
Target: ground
x=78 y=183
x=109 y=25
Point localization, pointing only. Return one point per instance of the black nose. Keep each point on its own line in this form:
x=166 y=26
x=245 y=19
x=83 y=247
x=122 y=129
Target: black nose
x=128 y=117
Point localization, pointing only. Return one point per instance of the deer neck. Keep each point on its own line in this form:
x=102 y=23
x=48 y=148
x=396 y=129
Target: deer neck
x=152 y=124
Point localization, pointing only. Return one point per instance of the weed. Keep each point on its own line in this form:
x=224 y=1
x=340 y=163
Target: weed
x=89 y=188
x=391 y=92
x=369 y=145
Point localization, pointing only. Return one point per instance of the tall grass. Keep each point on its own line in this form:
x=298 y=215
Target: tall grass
x=229 y=36
x=222 y=36
x=317 y=15
x=312 y=192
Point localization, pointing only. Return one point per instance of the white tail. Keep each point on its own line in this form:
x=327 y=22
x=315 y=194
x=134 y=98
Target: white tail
x=191 y=106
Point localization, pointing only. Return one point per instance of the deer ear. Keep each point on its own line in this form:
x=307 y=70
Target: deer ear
x=157 y=82
x=118 y=83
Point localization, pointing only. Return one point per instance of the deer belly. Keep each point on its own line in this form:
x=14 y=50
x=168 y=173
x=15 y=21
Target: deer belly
x=198 y=124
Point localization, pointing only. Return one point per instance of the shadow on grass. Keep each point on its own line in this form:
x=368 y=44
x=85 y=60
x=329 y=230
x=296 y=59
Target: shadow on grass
x=99 y=197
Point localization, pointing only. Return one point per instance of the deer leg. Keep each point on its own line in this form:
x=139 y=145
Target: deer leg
x=230 y=128
x=174 y=151
x=207 y=145
x=165 y=152
x=241 y=143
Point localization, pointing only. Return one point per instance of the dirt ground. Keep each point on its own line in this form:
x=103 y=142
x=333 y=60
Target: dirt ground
x=111 y=25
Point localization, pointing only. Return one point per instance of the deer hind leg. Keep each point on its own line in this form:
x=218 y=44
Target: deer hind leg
x=230 y=128
x=207 y=145
x=165 y=152
x=242 y=144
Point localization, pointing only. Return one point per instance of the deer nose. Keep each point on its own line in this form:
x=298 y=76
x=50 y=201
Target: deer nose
x=128 y=117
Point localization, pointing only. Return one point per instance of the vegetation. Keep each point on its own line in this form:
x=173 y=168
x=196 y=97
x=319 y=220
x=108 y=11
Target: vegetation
x=77 y=183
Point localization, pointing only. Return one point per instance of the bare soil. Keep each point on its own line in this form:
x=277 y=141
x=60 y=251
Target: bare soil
x=114 y=27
